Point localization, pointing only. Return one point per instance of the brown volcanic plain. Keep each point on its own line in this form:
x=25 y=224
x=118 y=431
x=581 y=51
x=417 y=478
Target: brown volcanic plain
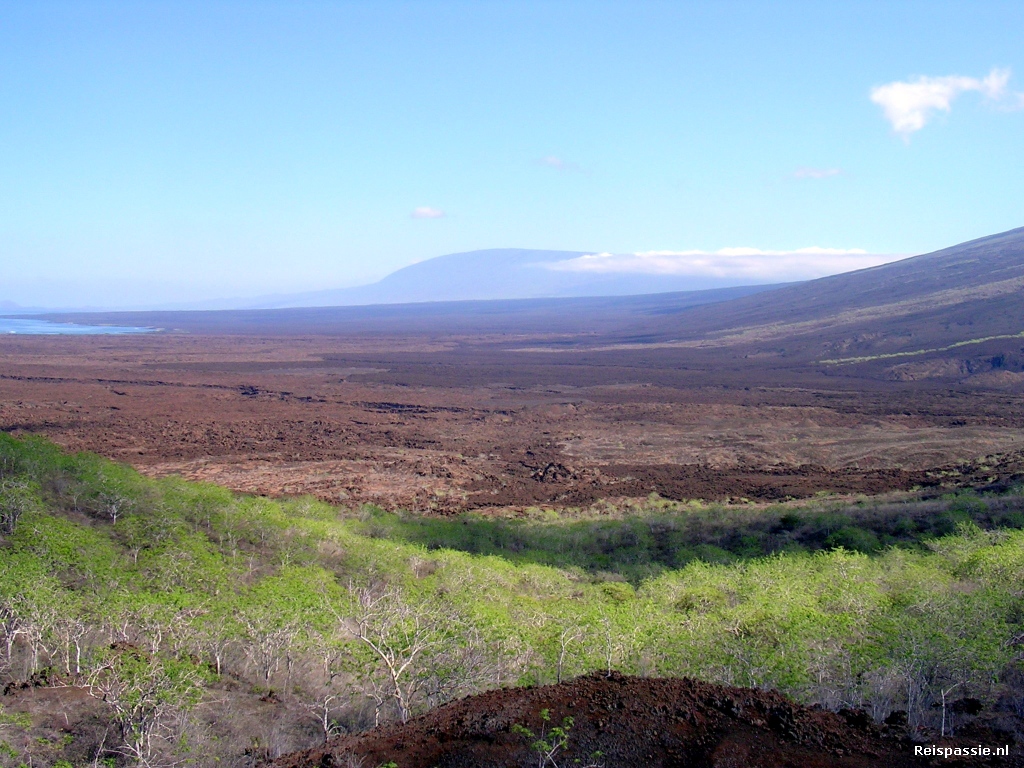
x=910 y=374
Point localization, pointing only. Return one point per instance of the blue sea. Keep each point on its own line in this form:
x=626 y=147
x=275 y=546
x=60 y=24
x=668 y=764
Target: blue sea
x=31 y=325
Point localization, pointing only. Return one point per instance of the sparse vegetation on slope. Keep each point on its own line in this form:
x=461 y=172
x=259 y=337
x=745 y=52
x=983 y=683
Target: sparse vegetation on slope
x=914 y=353
x=212 y=627
x=663 y=536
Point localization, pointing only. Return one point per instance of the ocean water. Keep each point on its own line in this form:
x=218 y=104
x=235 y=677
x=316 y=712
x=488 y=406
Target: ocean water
x=31 y=325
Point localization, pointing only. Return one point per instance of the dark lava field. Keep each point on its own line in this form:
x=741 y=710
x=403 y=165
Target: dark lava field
x=901 y=376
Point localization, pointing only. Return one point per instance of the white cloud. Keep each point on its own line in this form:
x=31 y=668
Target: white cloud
x=426 y=212
x=909 y=105
x=559 y=164
x=816 y=173
x=730 y=263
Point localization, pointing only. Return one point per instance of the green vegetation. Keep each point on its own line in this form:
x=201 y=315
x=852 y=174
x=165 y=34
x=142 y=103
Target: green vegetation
x=551 y=741
x=211 y=627
x=649 y=543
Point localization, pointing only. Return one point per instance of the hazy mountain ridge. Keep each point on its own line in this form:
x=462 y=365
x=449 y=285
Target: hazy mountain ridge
x=493 y=274
x=13 y=308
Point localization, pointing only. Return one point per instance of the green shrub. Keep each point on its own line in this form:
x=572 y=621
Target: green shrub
x=855 y=539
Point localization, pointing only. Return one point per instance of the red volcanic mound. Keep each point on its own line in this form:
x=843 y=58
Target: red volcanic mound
x=641 y=722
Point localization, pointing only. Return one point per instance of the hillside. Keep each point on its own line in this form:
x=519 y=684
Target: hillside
x=153 y=622
x=956 y=311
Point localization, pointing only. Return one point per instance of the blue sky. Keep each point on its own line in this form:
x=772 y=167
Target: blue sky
x=154 y=152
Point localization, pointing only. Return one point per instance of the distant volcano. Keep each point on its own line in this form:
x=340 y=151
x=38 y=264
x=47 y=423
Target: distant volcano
x=497 y=273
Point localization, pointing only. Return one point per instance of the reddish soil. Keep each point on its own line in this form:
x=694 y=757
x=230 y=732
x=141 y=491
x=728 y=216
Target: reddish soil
x=882 y=379
x=633 y=722
x=464 y=423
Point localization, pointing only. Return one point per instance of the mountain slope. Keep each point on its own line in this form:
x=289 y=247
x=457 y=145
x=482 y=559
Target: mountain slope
x=924 y=307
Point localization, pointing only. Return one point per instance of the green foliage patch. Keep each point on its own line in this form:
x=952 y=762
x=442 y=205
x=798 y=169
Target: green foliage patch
x=154 y=595
x=647 y=544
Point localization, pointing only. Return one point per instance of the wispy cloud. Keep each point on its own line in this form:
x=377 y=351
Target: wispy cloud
x=426 y=212
x=559 y=164
x=909 y=105
x=752 y=264
x=816 y=173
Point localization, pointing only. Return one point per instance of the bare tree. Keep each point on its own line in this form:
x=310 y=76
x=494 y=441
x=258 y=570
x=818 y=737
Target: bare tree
x=212 y=639
x=144 y=691
x=36 y=631
x=399 y=636
x=15 y=500
x=323 y=706
x=12 y=626
x=466 y=663
x=70 y=634
x=115 y=505
x=322 y=676
x=161 y=628
x=569 y=636
x=268 y=643
x=377 y=691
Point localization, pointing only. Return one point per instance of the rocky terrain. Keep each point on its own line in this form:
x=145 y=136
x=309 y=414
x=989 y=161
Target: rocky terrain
x=635 y=723
x=909 y=374
x=451 y=429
